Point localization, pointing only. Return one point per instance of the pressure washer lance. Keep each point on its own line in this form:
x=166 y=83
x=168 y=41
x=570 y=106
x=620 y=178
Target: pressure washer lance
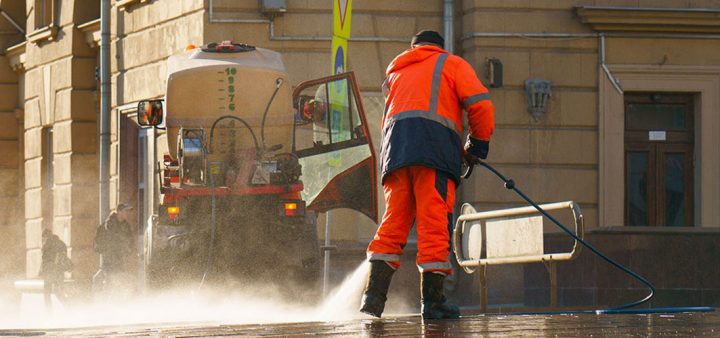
x=470 y=161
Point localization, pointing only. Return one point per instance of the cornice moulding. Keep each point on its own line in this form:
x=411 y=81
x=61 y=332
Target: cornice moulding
x=122 y=4
x=661 y=20
x=91 y=30
x=47 y=33
x=16 y=56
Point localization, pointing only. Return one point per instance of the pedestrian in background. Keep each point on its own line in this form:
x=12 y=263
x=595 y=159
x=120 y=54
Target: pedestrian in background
x=55 y=262
x=114 y=242
x=426 y=91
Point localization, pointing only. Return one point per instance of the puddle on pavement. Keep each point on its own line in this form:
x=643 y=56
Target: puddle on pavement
x=258 y=313
x=571 y=325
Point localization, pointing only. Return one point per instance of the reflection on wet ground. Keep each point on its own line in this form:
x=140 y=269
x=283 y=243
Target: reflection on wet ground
x=557 y=325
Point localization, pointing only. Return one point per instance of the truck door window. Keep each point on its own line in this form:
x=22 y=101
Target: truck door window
x=337 y=159
x=327 y=114
x=339 y=110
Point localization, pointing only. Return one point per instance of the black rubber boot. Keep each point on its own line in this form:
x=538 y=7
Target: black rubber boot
x=434 y=303
x=375 y=295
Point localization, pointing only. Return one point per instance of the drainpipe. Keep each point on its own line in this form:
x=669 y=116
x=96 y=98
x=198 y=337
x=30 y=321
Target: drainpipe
x=104 y=152
x=604 y=67
x=12 y=22
x=448 y=23
x=449 y=34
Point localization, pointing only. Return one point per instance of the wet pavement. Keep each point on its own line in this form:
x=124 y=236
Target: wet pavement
x=556 y=325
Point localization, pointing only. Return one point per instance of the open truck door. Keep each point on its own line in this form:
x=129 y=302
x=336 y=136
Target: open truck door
x=332 y=142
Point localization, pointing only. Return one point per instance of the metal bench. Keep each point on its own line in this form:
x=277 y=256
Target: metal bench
x=509 y=236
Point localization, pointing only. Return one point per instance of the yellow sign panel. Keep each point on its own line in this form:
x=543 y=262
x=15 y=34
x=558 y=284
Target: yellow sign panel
x=342 y=18
x=339 y=107
x=339 y=55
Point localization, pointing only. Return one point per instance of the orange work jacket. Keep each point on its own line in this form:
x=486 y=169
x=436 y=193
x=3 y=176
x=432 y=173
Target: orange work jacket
x=426 y=91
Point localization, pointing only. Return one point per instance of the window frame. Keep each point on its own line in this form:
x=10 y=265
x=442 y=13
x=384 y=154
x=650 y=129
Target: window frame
x=47 y=29
x=354 y=109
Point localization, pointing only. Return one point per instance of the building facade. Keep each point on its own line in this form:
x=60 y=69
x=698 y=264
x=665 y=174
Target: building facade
x=627 y=131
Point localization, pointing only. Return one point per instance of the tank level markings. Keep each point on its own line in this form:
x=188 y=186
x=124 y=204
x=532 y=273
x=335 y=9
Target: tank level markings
x=230 y=73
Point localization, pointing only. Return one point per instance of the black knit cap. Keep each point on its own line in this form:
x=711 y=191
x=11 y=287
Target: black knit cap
x=429 y=37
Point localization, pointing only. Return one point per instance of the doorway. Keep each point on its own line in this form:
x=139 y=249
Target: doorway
x=128 y=173
x=659 y=159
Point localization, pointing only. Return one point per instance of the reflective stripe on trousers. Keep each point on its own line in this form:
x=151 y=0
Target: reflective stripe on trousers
x=422 y=195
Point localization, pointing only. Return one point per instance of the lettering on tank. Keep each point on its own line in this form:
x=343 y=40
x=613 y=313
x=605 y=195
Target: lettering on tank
x=230 y=73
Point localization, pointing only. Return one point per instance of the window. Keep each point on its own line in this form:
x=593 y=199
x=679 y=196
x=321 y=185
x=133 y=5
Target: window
x=44 y=13
x=327 y=116
x=47 y=179
x=45 y=28
x=659 y=138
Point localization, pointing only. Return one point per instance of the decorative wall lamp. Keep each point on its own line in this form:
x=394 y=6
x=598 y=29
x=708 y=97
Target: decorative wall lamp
x=538 y=93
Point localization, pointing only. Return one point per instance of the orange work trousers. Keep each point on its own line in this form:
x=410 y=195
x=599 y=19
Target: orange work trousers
x=422 y=195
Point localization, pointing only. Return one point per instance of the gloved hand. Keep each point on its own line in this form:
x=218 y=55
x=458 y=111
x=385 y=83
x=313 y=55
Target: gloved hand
x=476 y=147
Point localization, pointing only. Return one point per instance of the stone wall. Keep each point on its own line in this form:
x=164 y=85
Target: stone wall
x=143 y=36
x=558 y=157
x=554 y=158
x=681 y=265
x=59 y=96
x=12 y=256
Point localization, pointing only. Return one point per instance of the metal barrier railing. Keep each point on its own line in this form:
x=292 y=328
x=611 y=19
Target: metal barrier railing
x=504 y=237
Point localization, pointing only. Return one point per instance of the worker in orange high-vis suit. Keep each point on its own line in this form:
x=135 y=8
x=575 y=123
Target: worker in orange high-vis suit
x=426 y=91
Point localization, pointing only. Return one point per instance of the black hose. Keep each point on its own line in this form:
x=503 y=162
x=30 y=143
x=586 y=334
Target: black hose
x=252 y=133
x=510 y=184
x=278 y=83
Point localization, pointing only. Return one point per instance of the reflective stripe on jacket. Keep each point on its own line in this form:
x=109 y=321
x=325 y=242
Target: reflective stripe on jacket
x=426 y=91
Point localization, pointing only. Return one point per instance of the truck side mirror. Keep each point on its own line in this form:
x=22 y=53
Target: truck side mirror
x=150 y=113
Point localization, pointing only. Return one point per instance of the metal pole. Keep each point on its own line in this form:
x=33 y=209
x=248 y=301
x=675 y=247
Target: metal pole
x=448 y=25
x=326 y=254
x=552 y=269
x=104 y=152
x=449 y=22
x=613 y=80
x=483 y=289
